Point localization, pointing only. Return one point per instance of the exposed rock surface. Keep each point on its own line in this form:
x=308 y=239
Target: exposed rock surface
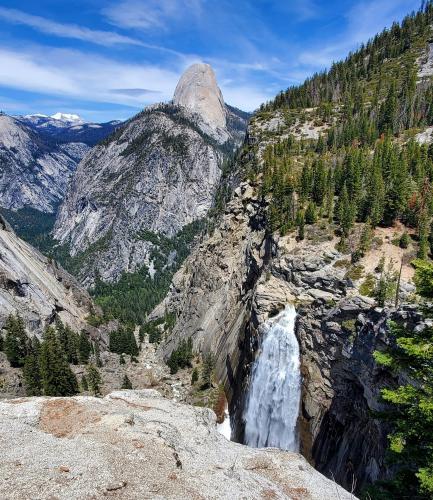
x=36 y=287
x=33 y=172
x=198 y=91
x=157 y=173
x=213 y=291
x=135 y=444
x=66 y=128
x=240 y=276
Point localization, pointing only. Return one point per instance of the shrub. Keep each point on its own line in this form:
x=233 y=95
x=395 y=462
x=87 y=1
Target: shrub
x=404 y=241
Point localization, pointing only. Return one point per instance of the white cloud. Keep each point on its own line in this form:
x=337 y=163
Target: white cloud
x=81 y=75
x=89 y=77
x=150 y=14
x=66 y=30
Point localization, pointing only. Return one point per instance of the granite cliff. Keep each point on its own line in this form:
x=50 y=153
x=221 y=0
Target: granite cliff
x=155 y=175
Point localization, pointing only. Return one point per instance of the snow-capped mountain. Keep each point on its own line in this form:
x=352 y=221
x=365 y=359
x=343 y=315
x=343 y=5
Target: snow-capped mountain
x=65 y=128
x=67 y=117
x=39 y=153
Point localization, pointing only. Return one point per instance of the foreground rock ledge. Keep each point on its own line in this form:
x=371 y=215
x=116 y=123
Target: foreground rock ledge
x=136 y=444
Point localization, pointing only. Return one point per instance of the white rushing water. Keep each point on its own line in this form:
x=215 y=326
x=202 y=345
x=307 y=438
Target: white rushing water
x=272 y=407
x=225 y=427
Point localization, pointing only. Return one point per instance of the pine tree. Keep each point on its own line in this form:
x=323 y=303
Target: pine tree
x=411 y=441
x=404 y=241
x=194 y=376
x=207 y=370
x=301 y=225
x=84 y=384
x=16 y=341
x=84 y=348
x=31 y=371
x=423 y=236
x=126 y=384
x=311 y=213
x=56 y=375
x=94 y=379
x=346 y=212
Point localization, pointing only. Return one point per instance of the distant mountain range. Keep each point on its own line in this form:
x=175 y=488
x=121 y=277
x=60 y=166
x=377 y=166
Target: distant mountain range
x=39 y=153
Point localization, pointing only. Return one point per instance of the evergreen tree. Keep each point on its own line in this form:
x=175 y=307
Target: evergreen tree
x=194 y=376
x=181 y=357
x=207 y=370
x=411 y=442
x=404 y=241
x=93 y=379
x=126 y=384
x=56 y=376
x=16 y=341
x=84 y=348
x=346 y=212
x=311 y=213
x=301 y=225
x=84 y=384
x=423 y=236
x=31 y=371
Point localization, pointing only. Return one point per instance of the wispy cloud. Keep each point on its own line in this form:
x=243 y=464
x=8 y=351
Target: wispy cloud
x=150 y=14
x=83 y=76
x=65 y=30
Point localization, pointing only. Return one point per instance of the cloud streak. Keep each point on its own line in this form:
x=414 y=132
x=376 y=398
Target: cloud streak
x=79 y=75
x=66 y=30
x=151 y=14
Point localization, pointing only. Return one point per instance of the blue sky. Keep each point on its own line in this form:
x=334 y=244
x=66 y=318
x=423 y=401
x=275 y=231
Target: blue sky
x=107 y=59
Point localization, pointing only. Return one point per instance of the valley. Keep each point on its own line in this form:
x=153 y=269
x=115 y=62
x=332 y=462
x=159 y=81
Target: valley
x=204 y=302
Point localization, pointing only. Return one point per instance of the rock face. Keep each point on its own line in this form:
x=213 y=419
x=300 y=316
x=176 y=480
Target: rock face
x=33 y=172
x=239 y=277
x=155 y=175
x=38 y=155
x=37 y=288
x=135 y=444
x=198 y=91
x=69 y=128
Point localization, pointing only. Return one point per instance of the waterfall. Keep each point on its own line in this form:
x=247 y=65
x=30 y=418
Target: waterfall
x=272 y=405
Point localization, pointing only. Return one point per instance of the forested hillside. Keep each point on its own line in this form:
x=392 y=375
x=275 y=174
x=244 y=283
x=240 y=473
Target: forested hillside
x=349 y=153
x=344 y=145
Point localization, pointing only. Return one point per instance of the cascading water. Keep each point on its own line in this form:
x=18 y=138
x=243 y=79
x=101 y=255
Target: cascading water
x=272 y=407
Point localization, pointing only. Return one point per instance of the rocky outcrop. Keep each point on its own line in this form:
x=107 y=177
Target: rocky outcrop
x=212 y=293
x=135 y=444
x=240 y=276
x=33 y=172
x=198 y=91
x=36 y=287
x=155 y=175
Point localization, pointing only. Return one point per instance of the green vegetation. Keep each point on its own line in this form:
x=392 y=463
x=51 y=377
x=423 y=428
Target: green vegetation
x=156 y=329
x=122 y=341
x=365 y=166
x=181 y=357
x=93 y=379
x=207 y=370
x=126 y=383
x=135 y=294
x=411 y=403
x=57 y=378
x=46 y=364
x=32 y=226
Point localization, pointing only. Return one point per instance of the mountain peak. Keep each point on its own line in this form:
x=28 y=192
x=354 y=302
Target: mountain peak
x=66 y=117
x=198 y=91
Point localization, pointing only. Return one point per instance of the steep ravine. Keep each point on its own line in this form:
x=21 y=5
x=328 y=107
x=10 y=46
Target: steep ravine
x=240 y=276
